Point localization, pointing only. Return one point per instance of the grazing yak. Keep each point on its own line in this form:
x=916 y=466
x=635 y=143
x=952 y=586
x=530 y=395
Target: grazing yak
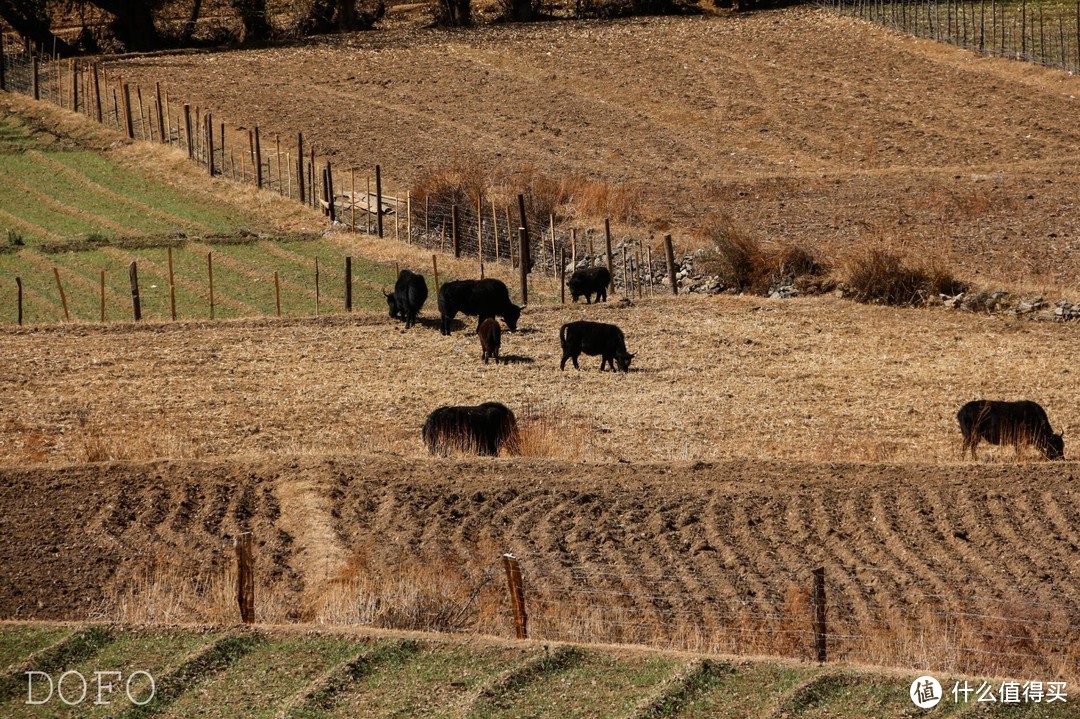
x=1015 y=423
x=588 y=282
x=490 y=339
x=482 y=429
x=594 y=338
x=409 y=295
x=483 y=298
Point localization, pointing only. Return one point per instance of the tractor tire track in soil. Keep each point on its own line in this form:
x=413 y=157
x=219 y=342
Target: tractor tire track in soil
x=628 y=542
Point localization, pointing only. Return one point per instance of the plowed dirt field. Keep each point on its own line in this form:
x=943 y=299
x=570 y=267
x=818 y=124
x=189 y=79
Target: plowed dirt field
x=800 y=124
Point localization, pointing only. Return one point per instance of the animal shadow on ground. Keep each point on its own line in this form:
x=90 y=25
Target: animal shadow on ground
x=516 y=359
x=526 y=330
x=435 y=323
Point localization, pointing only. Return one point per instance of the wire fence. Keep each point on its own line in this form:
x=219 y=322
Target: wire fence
x=488 y=228
x=1045 y=33
x=1006 y=633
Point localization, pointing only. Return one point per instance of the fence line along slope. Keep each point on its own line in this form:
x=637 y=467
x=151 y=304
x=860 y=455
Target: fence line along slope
x=801 y=124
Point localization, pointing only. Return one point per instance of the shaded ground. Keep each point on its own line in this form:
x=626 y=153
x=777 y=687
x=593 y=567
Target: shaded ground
x=802 y=125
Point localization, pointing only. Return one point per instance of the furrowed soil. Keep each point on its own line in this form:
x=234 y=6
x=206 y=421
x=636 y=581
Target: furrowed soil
x=682 y=504
x=801 y=125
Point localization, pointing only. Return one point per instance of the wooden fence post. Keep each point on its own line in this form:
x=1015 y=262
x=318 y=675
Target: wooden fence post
x=517 y=593
x=97 y=92
x=610 y=264
x=258 y=160
x=160 y=117
x=133 y=276
x=3 y=79
x=187 y=132
x=352 y=199
x=277 y=293
x=300 y=165
x=19 y=302
x=172 y=289
x=523 y=264
x=128 y=124
x=63 y=296
x=524 y=258
x=378 y=199
x=573 y=247
x=551 y=217
x=210 y=143
x=74 y=95
x=316 y=286
x=35 y=80
x=670 y=252
x=408 y=216
x=348 y=284
x=210 y=272
x=562 y=275
x=102 y=286
x=435 y=269
x=245 y=578
x=454 y=235
x=820 y=634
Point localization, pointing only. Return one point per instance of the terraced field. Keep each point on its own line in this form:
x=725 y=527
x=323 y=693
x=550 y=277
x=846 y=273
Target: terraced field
x=236 y=674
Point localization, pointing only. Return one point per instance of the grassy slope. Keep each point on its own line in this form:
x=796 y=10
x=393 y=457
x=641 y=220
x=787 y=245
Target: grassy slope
x=281 y=671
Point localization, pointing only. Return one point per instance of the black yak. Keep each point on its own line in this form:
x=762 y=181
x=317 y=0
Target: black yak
x=1015 y=423
x=594 y=338
x=483 y=429
x=588 y=282
x=409 y=295
x=490 y=339
x=483 y=298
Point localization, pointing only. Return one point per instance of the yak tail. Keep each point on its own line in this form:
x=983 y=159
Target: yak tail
x=562 y=336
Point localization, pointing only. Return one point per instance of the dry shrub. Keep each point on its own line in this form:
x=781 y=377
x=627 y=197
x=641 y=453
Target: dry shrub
x=166 y=593
x=883 y=277
x=545 y=432
x=619 y=202
x=425 y=592
x=742 y=264
x=457 y=183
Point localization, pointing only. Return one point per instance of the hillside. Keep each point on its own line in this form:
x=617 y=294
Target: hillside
x=222 y=673
x=801 y=125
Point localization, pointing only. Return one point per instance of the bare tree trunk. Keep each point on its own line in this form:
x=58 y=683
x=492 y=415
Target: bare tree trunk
x=30 y=18
x=189 y=26
x=256 y=19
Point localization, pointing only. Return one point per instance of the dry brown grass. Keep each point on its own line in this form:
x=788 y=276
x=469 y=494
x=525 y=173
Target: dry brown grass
x=714 y=378
x=885 y=277
x=745 y=265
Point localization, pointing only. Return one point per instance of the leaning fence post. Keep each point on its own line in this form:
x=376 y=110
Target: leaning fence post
x=245 y=578
x=348 y=284
x=517 y=594
x=18 y=284
x=136 y=307
x=525 y=257
x=63 y=295
x=670 y=251
x=187 y=132
x=435 y=269
x=819 y=614
x=258 y=160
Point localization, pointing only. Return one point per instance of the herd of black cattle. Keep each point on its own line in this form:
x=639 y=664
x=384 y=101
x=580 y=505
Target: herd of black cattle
x=489 y=427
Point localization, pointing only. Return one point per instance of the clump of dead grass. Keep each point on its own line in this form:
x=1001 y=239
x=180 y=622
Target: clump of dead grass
x=423 y=592
x=879 y=276
x=743 y=264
